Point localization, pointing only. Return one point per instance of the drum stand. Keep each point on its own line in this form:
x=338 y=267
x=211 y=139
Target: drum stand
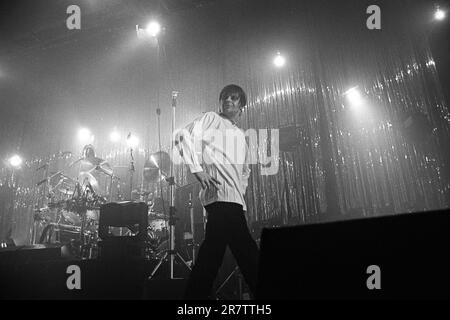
x=171 y=254
x=82 y=211
x=83 y=245
x=81 y=207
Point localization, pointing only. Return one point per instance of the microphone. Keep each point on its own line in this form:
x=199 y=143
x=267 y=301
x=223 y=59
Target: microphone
x=158 y=111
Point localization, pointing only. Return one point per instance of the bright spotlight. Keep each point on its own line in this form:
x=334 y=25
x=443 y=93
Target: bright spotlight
x=85 y=136
x=354 y=96
x=279 y=60
x=132 y=141
x=114 y=136
x=15 y=161
x=439 y=14
x=153 y=29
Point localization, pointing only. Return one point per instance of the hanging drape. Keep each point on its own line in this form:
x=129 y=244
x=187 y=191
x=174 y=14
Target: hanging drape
x=386 y=156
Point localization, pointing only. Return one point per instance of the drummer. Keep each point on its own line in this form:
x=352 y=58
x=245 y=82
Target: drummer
x=90 y=168
x=91 y=159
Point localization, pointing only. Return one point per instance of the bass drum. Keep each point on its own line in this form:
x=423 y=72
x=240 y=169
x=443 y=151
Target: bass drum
x=159 y=227
x=59 y=234
x=70 y=218
x=69 y=238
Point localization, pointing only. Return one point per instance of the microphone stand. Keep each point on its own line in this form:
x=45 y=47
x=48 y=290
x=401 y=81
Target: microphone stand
x=131 y=177
x=171 y=253
x=191 y=215
x=131 y=173
x=158 y=113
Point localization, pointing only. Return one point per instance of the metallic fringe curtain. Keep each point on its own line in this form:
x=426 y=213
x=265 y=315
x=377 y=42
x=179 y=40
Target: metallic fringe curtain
x=345 y=163
x=388 y=157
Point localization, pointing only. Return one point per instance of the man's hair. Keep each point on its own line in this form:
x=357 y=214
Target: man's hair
x=88 y=151
x=232 y=88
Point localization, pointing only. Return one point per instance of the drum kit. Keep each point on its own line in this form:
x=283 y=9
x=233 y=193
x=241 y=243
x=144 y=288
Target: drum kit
x=71 y=214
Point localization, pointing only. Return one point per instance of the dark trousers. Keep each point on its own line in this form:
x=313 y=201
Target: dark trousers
x=226 y=226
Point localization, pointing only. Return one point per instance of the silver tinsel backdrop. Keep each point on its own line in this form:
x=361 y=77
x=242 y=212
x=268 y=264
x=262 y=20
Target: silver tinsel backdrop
x=336 y=162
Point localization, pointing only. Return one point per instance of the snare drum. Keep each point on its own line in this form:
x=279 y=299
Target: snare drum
x=92 y=214
x=158 y=224
x=71 y=217
x=159 y=227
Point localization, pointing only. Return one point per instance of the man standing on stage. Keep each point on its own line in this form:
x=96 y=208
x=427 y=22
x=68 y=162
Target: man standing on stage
x=215 y=150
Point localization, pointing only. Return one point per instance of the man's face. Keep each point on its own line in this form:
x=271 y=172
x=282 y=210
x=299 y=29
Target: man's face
x=231 y=105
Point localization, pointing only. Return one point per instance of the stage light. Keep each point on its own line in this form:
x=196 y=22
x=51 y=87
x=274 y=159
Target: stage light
x=439 y=14
x=132 y=141
x=354 y=97
x=153 y=29
x=85 y=136
x=114 y=136
x=279 y=61
x=15 y=161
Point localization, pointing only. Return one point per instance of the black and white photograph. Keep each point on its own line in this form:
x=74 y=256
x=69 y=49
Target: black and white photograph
x=207 y=152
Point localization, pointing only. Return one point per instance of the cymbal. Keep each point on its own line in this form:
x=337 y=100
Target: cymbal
x=99 y=165
x=86 y=179
x=103 y=168
x=62 y=183
x=68 y=179
x=157 y=163
x=90 y=159
x=95 y=161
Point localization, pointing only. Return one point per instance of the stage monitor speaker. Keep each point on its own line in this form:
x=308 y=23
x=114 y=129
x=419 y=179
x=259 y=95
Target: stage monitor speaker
x=132 y=215
x=129 y=215
x=31 y=253
x=403 y=256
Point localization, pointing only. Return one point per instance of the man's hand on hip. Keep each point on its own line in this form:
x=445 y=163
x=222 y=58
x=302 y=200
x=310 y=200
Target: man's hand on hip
x=206 y=180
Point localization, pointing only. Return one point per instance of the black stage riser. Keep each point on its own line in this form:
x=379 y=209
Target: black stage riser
x=111 y=279
x=330 y=260
x=304 y=262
